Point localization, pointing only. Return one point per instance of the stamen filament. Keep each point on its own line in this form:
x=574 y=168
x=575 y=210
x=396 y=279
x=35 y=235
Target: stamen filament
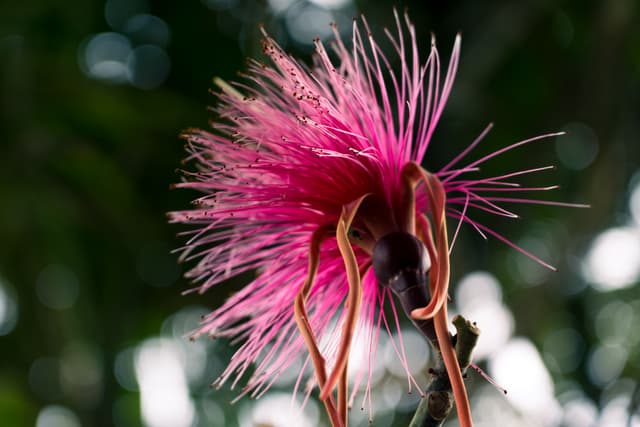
x=302 y=321
x=354 y=297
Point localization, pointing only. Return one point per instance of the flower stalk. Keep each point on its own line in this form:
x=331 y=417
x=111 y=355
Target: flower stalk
x=434 y=409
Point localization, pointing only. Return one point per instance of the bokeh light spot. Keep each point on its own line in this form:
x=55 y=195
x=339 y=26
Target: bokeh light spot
x=57 y=287
x=194 y=353
x=148 y=29
x=633 y=337
x=613 y=261
x=361 y=358
x=490 y=409
x=280 y=6
x=578 y=148
x=183 y=322
x=563 y=349
x=81 y=373
x=622 y=388
x=57 y=416
x=124 y=369
x=288 y=376
x=579 y=412
x=614 y=322
x=477 y=287
x=478 y=298
x=532 y=273
x=634 y=198
x=519 y=368
x=8 y=309
x=278 y=410
x=306 y=22
x=164 y=394
x=331 y=4
x=496 y=323
x=392 y=392
x=104 y=57
x=606 y=363
x=149 y=66
x=616 y=414
x=416 y=352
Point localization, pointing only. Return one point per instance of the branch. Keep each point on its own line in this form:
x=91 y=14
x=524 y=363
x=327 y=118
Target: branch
x=438 y=403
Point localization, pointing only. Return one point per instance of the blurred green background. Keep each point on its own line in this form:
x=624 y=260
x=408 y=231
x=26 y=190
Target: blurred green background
x=92 y=97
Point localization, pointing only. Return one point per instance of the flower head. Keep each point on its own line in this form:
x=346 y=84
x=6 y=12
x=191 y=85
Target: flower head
x=304 y=171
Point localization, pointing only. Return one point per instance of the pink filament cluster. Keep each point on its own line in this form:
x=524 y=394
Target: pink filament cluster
x=283 y=159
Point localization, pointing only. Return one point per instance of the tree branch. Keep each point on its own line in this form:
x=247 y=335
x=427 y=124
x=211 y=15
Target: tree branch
x=438 y=401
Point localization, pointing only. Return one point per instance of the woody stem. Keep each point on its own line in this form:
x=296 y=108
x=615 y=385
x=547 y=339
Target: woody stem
x=434 y=409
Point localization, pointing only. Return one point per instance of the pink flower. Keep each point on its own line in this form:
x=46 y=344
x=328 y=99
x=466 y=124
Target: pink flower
x=298 y=156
